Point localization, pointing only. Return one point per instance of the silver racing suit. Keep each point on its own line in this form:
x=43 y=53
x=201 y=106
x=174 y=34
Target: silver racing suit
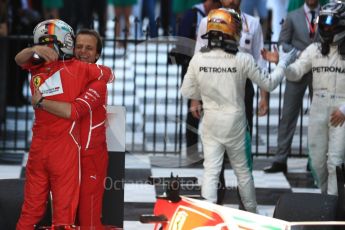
x=326 y=143
x=218 y=79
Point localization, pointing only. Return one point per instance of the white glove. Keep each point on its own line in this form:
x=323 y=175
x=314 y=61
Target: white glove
x=286 y=58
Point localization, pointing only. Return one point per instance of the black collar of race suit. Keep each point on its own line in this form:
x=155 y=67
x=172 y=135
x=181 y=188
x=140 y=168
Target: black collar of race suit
x=227 y=47
x=217 y=39
x=341 y=49
x=230 y=48
x=325 y=48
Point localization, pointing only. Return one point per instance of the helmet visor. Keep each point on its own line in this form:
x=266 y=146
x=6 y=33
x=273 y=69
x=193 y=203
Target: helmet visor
x=328 y=22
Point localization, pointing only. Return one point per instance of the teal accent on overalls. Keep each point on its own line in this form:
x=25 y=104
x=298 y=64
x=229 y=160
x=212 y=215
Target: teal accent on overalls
x=248 y=142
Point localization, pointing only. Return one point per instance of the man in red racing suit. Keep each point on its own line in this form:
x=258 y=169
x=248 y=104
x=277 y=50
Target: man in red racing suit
x=54 y=153
x=94 y=153
x=90 y=108
x=53 y=163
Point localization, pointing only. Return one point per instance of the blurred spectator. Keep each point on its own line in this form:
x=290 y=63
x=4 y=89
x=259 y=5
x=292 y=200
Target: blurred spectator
x=260 y=7
x=278 y=14
x=137 y=28
x=298 y=35
x=249 y=7
x=23 y=16
x=168 y=21
x=180 y=6
x=87 y=16
x=122 y=8
x=3 y=57
x=295 y=4
x=68 y=15
x=188 y=28
x=148 y=9
x=3 y=18
x=51 y=8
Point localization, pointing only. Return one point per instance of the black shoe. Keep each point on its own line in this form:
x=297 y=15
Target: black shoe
x=276 y=167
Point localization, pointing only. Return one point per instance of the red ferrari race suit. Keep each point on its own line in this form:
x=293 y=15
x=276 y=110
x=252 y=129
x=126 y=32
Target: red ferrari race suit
x=91 y=106
x=53 y=163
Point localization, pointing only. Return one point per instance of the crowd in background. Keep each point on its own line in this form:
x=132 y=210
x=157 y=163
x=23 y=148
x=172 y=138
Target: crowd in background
x=19 y=16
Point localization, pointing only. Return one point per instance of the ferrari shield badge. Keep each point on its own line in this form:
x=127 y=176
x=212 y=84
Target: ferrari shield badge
x=37 y=81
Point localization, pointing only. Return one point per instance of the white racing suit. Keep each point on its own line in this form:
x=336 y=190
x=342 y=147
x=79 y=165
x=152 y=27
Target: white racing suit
x=218 y=79
x=326 y=142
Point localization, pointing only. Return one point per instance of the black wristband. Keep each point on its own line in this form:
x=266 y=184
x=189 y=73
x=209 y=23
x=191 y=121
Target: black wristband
x=39 y=103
